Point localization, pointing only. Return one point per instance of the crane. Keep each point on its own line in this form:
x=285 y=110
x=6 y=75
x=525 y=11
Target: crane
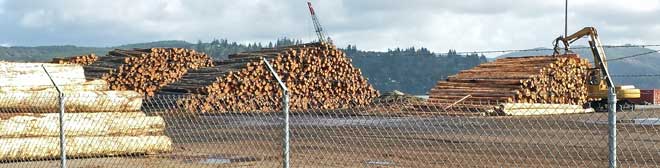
x=600 y=81
x=317 y=25
x=600 y=71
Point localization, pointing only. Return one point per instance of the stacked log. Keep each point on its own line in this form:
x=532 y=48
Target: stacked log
x=535 y=79
x=80 y=60
x=318 y=76
x=145 y=70
x=98 y=122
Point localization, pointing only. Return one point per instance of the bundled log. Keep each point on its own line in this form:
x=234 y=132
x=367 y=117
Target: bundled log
x=39 y=148
x=318 y=76
x=539 y=109
x=78 y=101
x=535 y=79
x=33 y=75
x=142 y=70
x=80 y=60
x=80 y=124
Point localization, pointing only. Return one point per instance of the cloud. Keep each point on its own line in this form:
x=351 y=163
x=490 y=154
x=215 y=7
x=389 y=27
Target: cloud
x=2 y=7
x=5 y=45
x=440 y=25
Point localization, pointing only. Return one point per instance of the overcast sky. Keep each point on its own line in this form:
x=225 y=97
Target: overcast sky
x=464 y=25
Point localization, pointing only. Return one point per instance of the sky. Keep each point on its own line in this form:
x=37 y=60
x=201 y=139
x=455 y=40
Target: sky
x=440 y=25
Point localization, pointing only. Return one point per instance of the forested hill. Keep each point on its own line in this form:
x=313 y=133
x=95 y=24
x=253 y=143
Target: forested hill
x=411 y=70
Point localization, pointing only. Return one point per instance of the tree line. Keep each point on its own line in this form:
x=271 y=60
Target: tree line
x=410 y=70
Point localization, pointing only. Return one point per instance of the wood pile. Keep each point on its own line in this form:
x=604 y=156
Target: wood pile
x=80 y=60
x=142 y=70
x=98 y=122
x=534 y=79
x=318 y=76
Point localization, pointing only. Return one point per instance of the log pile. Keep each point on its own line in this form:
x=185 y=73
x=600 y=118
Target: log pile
x=318 y=76
x=80 y=60
x=535 y=79
x=98 y=122
x=141 y=70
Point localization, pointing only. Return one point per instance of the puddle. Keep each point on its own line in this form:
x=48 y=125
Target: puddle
x=646 y=121
x=380 y=162
x=217 y=159
x=637 y=121
x=226 y=160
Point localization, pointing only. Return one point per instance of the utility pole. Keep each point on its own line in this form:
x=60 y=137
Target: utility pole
x=565 y=18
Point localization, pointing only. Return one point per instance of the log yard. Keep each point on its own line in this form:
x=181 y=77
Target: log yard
x=311 y=103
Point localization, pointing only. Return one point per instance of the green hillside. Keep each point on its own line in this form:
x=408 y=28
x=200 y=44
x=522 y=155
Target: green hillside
x=409 y=70
x=44 y=53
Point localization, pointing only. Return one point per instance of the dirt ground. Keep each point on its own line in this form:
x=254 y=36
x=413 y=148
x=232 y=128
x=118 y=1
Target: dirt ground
x=254 y=140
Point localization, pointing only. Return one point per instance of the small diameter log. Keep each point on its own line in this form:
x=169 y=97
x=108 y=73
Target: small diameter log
x=80 y=60
x=78 y=101
x=146 y=70
x=39 y=148
x=80 y=124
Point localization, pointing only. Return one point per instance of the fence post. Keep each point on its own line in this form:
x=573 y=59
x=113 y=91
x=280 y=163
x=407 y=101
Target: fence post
x=285 y=110
x=611 y=121
x=61 y=98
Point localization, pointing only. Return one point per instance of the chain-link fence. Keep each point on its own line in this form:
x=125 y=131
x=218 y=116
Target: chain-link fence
x=106 y=130
x=164 y=131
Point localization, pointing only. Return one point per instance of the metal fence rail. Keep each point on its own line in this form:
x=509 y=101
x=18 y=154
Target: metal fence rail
x=399 y=132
